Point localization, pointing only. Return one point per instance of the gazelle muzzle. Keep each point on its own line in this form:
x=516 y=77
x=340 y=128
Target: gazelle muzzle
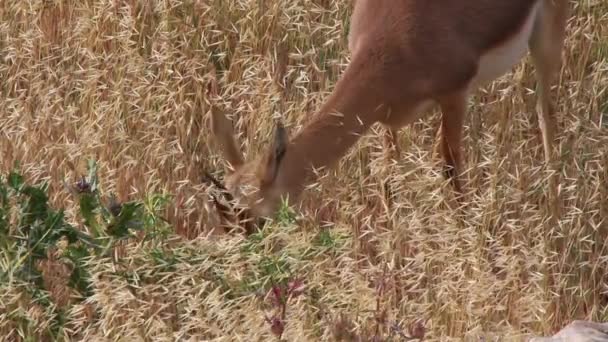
x=230 y=209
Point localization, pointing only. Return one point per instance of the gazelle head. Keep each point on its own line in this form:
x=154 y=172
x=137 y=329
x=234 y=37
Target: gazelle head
x=252 y=186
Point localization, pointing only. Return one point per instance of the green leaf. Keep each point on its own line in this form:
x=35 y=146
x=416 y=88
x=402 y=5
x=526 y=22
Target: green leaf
x=15 y=180
x=4 y=210
x=128 y=218
x=80 y=278
x=88 y=206
x=286 y=215
x=35 y=207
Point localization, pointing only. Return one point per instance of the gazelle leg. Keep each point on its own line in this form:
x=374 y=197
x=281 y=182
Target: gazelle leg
x=453 y=109
x=390 y=143
x=546 y=46
x=391 y=153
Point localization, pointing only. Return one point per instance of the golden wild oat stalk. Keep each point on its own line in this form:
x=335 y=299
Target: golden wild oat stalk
x=123 y=83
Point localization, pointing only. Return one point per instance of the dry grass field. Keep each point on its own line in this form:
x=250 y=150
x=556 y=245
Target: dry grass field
x=123 y=83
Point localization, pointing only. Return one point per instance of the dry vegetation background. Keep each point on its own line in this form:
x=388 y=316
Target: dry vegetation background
x=123 y=82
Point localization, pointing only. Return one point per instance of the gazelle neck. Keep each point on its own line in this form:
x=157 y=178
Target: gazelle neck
x=347 y=114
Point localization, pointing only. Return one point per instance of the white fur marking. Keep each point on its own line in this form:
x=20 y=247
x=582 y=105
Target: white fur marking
x=502 y=59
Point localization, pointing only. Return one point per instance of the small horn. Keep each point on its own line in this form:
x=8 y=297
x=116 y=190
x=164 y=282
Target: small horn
x=208 y=178
x=221 y=208
x=211 y=180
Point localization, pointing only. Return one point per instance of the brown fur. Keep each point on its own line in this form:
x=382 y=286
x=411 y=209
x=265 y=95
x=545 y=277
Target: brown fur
x=404 y=53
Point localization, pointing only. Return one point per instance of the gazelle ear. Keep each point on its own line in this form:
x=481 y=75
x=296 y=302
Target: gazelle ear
x=223 y=133
x=275 y=155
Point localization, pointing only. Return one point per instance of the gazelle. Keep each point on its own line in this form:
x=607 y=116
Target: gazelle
x=407 y=55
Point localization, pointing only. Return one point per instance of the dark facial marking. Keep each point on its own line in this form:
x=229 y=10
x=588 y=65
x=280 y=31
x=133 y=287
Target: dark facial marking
x=225 y=211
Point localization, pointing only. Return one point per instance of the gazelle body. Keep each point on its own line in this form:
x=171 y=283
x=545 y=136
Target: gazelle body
x=407 y=55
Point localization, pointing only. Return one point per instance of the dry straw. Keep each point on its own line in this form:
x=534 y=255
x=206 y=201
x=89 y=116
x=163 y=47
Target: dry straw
x=123 y=82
